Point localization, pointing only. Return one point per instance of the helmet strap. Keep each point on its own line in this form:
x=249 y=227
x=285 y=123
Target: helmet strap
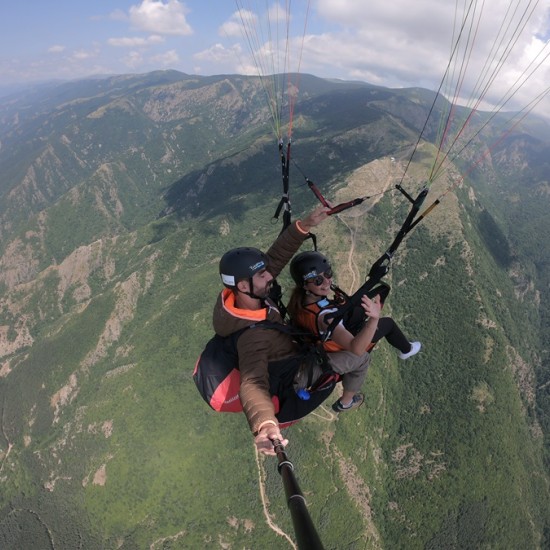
x=250 y=292
x=252 y=295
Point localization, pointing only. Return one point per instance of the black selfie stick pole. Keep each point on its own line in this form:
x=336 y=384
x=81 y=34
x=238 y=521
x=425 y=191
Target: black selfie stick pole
x=306 y=535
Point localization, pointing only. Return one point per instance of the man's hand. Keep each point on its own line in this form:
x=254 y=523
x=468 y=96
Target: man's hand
x=266 y=436
x=315 y=217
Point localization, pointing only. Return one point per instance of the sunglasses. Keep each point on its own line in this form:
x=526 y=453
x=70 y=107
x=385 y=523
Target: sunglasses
x=318 y=281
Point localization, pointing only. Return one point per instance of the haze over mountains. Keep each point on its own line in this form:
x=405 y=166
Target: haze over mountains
x=118 y=197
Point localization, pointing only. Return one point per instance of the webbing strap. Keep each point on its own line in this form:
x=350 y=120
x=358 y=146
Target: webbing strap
x=339 y=207
x=284 y=203
x=381 y=266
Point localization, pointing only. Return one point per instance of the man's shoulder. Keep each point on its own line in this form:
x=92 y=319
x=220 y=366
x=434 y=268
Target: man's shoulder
x=227 y=319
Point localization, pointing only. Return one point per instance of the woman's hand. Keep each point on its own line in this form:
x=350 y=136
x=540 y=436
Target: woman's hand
x=372 y=307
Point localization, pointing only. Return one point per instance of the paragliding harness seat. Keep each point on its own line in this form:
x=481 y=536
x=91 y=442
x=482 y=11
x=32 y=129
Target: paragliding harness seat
x=298 y=384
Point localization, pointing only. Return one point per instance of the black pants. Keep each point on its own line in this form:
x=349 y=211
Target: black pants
x=387 y=328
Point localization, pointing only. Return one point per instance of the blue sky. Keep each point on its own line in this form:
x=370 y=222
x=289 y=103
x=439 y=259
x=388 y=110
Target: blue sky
x=397 y=44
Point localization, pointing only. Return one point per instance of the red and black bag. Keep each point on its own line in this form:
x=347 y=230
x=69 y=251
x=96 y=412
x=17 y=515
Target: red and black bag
x=217 y=375
x=218 y=379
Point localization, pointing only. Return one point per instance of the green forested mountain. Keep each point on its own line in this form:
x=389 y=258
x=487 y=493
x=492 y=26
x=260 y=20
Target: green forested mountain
x=118 y=197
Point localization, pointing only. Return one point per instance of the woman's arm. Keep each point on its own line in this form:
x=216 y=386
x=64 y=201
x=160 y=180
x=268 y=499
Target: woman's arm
x=360 y=342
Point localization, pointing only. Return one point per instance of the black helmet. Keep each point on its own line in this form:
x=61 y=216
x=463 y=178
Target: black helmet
x=306 y=265
x=241 y=263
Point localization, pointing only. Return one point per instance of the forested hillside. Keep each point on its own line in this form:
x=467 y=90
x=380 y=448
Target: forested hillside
x=119 y=196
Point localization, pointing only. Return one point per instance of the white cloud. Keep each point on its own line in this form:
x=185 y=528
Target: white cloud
x=396 y=44
x=137 y=61
x=230 y=29
x=135 y=41
x=348 y=57
x=166 y=59
x=235 y=25
x=161 y=18
x=118 y=15
x=82 y=55
x=133 y=60
x=56 y=48
x=219 y=54
x=278 y=13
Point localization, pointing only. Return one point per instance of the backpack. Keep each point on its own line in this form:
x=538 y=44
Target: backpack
x=217 y=377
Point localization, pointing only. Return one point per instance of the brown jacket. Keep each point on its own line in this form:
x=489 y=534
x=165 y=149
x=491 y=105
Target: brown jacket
x=258 y=346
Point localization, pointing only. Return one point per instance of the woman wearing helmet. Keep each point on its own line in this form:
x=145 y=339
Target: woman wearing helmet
x=348 y=353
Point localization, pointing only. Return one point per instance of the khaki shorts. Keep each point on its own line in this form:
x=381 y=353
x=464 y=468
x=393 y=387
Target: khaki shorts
x=353 y=368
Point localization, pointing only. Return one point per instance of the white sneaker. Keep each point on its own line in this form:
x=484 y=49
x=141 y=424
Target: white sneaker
x=415 y=348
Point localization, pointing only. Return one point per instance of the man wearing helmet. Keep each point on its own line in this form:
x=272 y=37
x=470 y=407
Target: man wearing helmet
x=248 y=274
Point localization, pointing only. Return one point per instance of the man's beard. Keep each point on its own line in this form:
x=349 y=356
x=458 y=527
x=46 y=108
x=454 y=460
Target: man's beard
x=268 y=289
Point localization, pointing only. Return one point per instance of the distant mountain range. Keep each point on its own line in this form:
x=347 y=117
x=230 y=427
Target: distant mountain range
x=118 y=197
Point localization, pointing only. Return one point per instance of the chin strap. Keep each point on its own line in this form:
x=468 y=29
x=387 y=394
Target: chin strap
x=252 y=295
x=309 y=293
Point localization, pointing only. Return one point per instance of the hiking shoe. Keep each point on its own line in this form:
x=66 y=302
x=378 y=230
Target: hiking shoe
x=357 y=401
x=415 y=348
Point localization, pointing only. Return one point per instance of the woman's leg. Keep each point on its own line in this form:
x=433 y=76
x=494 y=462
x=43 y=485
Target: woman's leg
x=353 y=369
x=387 y=328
